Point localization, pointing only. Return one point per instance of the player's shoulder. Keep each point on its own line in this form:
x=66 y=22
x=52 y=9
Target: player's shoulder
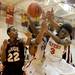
x=5 y=41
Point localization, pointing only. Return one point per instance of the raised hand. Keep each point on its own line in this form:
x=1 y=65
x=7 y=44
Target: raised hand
x=43 y=17
x=44 y=26
x=50 y=14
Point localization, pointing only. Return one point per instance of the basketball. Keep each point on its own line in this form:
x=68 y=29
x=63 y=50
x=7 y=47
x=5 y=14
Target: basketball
x=34 y=10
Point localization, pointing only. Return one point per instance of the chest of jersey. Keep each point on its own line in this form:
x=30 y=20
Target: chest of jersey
x=15 y=52
x=54 y=49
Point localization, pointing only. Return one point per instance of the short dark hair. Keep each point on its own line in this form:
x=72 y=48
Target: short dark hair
x=9 y=29
x=68 y=27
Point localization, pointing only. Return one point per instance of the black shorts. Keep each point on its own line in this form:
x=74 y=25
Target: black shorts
x=12 y=71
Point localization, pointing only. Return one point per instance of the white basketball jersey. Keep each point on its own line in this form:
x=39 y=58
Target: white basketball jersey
x=53 y=50
x=40 y=50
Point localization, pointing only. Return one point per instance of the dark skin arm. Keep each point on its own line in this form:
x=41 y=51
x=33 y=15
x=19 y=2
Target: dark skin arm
x=65 y=42
x=34 y=44
x=50 y=17
x=3 y=51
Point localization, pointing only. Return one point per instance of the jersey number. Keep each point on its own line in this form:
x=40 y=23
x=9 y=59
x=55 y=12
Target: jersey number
x=52 y=51
x=13 y=57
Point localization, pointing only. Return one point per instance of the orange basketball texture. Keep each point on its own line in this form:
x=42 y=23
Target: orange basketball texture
x=34 y=10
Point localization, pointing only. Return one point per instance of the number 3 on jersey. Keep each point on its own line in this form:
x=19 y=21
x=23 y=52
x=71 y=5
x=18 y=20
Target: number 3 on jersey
x=13 y=57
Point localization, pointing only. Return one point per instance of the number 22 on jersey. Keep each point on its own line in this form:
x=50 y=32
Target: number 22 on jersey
x=13 y=57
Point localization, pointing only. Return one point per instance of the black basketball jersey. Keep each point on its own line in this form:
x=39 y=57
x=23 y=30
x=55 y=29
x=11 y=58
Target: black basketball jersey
x=15 y=54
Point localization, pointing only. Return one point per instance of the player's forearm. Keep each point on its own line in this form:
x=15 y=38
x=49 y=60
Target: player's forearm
x=54 y=23
x=3 y=54
x=28 y=41
x=40 y=37
x=55 y=38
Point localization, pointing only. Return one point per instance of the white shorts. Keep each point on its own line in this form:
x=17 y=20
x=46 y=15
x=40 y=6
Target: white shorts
x=35 y=68
x=58 y=68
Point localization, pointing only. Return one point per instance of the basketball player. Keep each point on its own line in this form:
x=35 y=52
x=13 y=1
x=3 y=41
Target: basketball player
x=67 y=54
x=29 y=24
x=36 y=49
x=54 y=64
x=13 y=53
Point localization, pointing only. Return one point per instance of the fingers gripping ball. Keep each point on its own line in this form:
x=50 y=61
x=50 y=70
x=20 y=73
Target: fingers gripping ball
x=34 y=10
